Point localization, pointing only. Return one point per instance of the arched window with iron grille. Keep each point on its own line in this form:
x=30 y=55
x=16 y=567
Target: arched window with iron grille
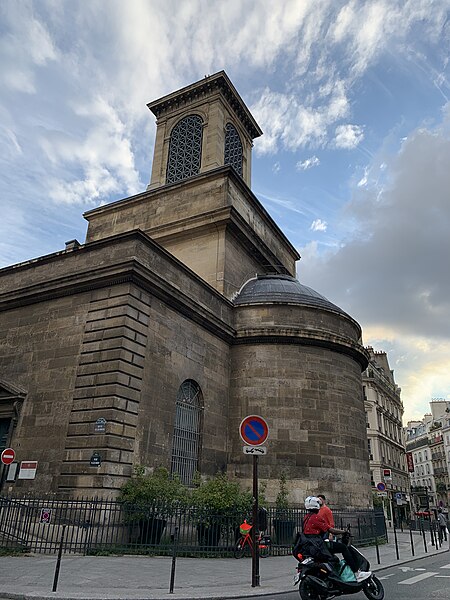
x=185 y=149
x=233 y=148
x=186 y=444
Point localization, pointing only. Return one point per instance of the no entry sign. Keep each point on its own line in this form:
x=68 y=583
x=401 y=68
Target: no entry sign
x=8 y=456
x=254 y=430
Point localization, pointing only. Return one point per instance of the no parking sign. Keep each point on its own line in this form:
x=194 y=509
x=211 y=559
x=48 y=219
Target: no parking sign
x=254 y=430
x=46 y=515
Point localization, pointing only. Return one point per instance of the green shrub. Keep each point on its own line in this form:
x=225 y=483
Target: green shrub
x=157 y=494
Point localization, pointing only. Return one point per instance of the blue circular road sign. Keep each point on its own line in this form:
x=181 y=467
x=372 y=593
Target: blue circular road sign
x=254 y=430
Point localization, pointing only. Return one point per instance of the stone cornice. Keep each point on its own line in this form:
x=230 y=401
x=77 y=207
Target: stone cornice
x=303 y=337
x=129 y=270
x=203 y=88
x=221 y=172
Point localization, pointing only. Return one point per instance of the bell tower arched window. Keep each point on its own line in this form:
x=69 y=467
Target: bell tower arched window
x=186 y=443
x=185 y=149
x=233 y=148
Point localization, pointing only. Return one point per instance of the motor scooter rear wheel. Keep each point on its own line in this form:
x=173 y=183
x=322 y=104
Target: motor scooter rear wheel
x=308 y=592
x=373 y=588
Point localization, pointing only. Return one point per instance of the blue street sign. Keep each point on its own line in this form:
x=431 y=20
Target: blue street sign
x=254 y=430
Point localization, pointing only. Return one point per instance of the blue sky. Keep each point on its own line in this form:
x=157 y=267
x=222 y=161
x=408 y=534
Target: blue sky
x=354 y=163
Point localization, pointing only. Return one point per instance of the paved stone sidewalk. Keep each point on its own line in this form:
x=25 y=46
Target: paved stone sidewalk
x=148 y=578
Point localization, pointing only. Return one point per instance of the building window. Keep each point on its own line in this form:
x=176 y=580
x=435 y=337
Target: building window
x=185 y=149
x=186 y=443
x=5 y=425
x=233 y=148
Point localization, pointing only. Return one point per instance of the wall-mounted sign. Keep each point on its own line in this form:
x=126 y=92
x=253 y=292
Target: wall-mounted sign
x=13 y=470
x=28 y=469
x=100 y=425
x=410 y=462
x=96 y=460
x=45 y=516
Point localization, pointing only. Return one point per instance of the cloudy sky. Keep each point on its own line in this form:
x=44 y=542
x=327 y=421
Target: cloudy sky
x=354 y=164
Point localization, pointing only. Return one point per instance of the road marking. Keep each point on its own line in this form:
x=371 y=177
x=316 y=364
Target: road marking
x=443 y=576
x=417 y=578
x=387 y=576
x=445 y=567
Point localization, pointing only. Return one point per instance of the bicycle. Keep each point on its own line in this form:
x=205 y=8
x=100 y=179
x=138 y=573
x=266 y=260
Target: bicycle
x=245 y=542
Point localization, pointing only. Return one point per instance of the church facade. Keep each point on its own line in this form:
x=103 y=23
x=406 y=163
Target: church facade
x=178 y=316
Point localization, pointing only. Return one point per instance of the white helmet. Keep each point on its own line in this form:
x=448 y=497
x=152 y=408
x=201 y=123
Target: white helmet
x=311 y=502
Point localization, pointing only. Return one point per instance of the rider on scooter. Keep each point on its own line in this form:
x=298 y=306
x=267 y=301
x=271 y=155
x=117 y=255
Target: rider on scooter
x=315 y=527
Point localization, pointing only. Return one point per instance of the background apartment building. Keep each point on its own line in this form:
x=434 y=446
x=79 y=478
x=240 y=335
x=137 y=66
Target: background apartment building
x=384 y=412
x=428 y=444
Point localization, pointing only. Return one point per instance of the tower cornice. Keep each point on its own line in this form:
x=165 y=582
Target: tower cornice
x=205 y=87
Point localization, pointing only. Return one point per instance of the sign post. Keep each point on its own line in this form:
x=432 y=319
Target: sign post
x=254 y=431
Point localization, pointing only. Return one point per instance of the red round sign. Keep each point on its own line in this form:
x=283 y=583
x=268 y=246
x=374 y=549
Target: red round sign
x=8 y=456
x=254 y=430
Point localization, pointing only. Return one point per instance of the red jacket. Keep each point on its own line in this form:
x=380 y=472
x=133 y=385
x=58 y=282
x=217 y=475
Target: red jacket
x=315 y=524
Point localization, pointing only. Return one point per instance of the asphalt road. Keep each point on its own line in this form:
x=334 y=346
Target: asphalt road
x=424 y=579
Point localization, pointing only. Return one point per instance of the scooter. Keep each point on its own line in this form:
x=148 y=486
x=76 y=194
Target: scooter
x=323 y=580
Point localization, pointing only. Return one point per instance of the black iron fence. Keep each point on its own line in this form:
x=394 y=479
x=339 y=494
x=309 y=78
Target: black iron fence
x=96 y=526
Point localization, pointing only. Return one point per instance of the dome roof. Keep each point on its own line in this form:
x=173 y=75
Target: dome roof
x=281 y=289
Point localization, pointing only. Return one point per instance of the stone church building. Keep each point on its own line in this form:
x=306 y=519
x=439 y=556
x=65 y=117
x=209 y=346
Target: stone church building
x=178 y=316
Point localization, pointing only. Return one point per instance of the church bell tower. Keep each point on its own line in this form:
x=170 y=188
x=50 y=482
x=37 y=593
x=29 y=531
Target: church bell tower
x=199 y=205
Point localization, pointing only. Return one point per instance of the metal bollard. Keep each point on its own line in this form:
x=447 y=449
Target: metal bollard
x=174 y=537
x=396 y=544
x=424 y=539
x=412 y=541
x=374 y=535
x=58 y=560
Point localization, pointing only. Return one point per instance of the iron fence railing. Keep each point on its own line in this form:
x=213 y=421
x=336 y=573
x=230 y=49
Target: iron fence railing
x=97 y=526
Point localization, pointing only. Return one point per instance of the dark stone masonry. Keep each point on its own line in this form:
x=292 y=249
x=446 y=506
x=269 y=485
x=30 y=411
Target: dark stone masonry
x=177 y=317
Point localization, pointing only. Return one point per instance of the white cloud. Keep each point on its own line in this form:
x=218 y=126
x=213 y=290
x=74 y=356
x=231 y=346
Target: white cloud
x=308 y=163
x=318 y=225
x=285 y=120
x=392 y=275
x=348 y=136
x=276 y=168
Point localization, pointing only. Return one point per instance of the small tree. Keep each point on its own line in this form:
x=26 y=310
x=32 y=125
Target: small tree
x=152 y=495
x=283 y=523
x=221 y=496
x=282 y=499
x=220 y=506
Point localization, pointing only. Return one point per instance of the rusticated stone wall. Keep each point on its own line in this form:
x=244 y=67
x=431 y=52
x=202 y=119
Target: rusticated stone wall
x=39 y=351
x=299 y=369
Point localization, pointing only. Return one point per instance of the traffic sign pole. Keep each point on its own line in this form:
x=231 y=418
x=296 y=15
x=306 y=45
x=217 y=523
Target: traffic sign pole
x=254 y=431
x=255 y=553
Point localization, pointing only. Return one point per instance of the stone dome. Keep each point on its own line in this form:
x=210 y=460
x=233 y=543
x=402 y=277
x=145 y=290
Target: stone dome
x=282 y=289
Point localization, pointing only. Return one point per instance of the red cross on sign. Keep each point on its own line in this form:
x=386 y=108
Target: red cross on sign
x=254 y=430
x=8 y=456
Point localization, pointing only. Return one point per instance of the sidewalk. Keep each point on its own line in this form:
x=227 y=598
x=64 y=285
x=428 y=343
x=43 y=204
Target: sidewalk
x=148 y=578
